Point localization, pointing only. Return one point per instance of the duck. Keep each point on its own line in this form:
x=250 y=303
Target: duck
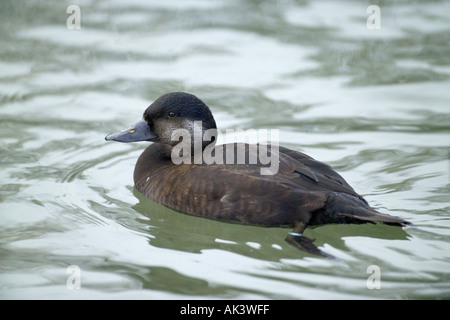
x=185 y=170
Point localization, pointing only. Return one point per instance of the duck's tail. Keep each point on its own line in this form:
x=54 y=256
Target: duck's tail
x=340 y=208
x=351 y=209
x=371 y=215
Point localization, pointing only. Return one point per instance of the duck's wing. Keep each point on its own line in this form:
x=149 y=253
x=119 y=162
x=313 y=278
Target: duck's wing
x=342 y=200
x=313 y=174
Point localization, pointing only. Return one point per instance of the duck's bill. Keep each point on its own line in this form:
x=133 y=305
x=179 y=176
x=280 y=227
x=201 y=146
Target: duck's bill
x=138 y=132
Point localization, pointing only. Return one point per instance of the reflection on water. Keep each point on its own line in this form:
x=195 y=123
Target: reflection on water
x=372 y=103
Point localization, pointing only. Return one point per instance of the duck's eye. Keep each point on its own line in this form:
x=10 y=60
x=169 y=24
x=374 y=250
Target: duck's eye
x=132 y=130
x=172 y=114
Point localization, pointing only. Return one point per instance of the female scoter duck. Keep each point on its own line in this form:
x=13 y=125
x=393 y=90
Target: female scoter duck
x=202 y=179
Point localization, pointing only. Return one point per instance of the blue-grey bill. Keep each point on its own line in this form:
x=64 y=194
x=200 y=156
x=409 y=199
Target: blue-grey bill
x=138 y=132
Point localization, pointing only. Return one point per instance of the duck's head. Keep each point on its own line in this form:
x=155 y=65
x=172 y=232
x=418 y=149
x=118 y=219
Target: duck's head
x=168 y=119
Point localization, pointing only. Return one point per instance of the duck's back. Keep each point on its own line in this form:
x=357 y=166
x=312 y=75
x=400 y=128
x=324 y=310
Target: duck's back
x=302 y=189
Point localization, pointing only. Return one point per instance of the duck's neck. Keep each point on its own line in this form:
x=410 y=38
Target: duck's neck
x=165 y=150
x=179 y=153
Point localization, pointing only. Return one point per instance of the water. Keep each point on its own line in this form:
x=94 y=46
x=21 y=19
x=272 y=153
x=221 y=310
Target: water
x=372 y=103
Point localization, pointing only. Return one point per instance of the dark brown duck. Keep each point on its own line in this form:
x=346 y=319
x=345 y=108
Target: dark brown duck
x=302 y=191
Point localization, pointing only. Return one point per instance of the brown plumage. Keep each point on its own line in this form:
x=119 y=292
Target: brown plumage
x=303 y=192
